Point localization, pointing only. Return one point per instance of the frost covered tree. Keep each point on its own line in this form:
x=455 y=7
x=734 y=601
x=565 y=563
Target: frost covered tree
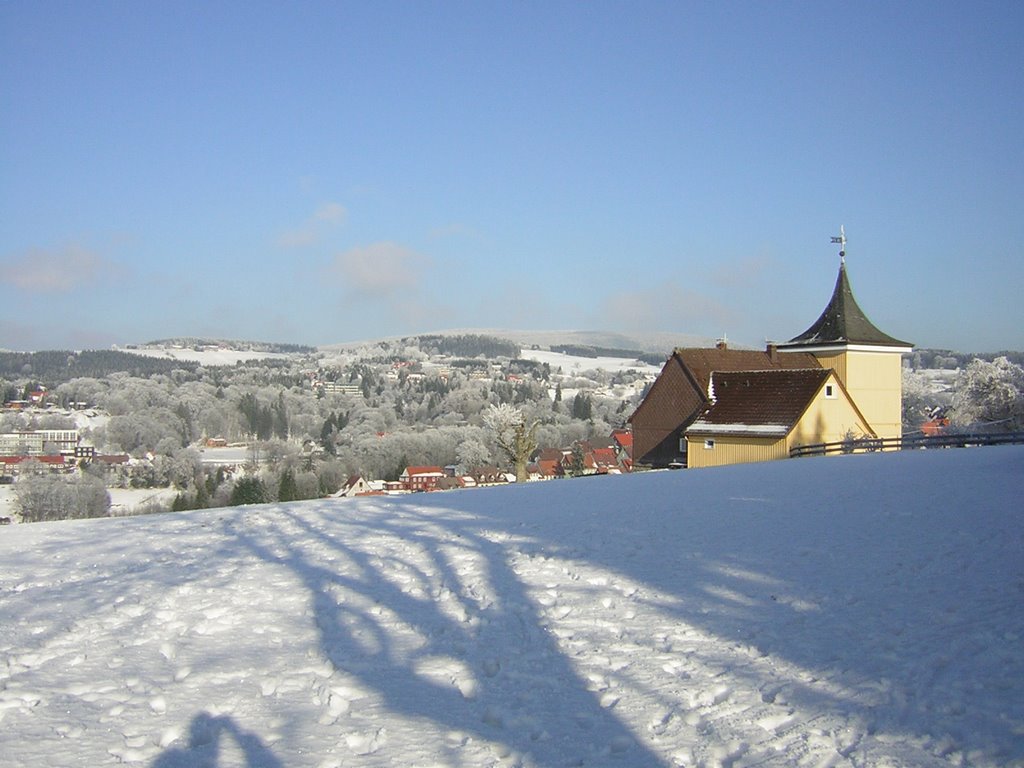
x=44 y=496
x=918 y=398
x=473 y=453
x=512 y=435
x=990 y=394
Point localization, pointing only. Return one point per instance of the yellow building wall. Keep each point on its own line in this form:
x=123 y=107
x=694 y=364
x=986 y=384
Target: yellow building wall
x=875 y=382
x=826 y=420
x=734 y=450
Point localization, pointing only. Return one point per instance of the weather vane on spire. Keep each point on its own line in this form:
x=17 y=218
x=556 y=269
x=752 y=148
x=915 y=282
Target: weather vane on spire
x=842 y=244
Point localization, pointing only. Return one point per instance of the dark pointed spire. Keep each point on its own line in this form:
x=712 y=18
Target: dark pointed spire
x=843 y=321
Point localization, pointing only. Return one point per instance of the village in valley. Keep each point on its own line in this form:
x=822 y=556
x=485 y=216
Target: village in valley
x=422 y=414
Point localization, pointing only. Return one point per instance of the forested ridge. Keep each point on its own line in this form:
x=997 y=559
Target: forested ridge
x=54 y=367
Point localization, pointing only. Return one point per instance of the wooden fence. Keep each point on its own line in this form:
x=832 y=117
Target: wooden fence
x=906 y=443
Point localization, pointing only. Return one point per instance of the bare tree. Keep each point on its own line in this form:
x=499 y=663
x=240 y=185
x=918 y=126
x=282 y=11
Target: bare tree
x=512 y=435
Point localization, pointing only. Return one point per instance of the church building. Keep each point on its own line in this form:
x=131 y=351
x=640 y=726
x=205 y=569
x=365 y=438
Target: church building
x=839 y=379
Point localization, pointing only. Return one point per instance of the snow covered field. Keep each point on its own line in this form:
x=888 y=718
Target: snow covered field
x=208 y=357
x=849 y=611
x=571 y=364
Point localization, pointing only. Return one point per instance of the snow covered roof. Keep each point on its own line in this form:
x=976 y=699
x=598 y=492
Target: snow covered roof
x=767 y=430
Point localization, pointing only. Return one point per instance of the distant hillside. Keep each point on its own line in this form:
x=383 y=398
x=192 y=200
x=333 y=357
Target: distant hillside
x=656 y=342
x=200 y=344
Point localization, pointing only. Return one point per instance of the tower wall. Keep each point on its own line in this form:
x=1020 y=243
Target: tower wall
x=874 y=379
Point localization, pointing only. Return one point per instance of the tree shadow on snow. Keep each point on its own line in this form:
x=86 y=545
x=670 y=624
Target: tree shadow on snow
x=863 y=599
x=206 y=732
x=432 y=607
x=423 y=612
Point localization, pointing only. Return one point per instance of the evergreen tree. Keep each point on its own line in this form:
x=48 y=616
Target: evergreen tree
x=250 y=408
x=577 y=468
x=202 y=499
x=280 y=417
x=582 y=407
x=248 y=490
x=287 y=490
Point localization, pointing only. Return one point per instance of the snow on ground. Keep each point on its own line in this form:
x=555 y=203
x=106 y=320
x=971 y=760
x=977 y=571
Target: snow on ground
x=571 y=364
x=8 y=501
x=229 y=455
x=207 y=357
x=846 y=611
x=127 y=501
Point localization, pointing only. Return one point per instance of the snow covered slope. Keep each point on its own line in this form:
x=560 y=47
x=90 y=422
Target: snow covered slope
x=848 y=611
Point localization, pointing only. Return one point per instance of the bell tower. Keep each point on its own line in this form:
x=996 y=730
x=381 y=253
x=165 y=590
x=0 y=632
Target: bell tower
x=868 y=362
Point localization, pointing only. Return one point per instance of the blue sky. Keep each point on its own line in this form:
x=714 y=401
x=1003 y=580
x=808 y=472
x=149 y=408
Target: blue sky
x=327 y=172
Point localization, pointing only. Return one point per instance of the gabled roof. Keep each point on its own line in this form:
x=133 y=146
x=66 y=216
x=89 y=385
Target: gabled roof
x=623 y=437
x=605 y=456
x=843 y=322
x=700 y=362
x=410 y=471
x=768 y=403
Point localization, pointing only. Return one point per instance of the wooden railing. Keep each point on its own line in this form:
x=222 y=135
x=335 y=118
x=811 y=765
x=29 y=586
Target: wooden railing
x=906 y=443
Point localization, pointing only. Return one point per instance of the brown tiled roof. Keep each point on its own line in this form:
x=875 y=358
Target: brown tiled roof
x=843 y=322
x=770 y=402
x=701 y=362
x=679 y=394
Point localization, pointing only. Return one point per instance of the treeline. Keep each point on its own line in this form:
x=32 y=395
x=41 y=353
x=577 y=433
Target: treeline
x=52 y=368
x=191 y=342
x=949 y=359
x=467 y=345
x=584 y=350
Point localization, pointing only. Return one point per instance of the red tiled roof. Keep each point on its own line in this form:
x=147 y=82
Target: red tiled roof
x=549 y=468
x=410 y=471
x=112 y=458
x=623 y=437
x=40 y=459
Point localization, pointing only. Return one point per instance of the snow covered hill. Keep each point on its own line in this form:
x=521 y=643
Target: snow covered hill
x=849 y=611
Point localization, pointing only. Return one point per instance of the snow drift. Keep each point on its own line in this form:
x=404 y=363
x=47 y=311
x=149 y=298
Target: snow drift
x=858 y=610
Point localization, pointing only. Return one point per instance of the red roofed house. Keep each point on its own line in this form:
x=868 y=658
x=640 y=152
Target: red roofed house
x=420 y=478
x=11 y=464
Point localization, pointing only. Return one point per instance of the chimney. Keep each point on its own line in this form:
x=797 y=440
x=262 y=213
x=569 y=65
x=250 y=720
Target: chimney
x=773 y=351
x=722 y=344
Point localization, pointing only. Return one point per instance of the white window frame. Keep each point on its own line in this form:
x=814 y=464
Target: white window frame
x=709 y=444
x=830 y=392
